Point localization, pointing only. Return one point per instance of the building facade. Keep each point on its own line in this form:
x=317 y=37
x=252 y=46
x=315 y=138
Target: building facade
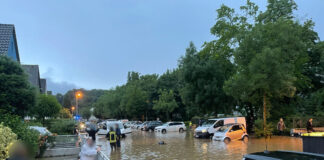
x=8 y=42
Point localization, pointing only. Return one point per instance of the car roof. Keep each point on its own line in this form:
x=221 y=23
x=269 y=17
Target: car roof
x=274 y=155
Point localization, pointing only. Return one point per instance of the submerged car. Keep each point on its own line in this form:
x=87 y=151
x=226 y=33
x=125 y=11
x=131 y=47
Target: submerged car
x=171 y=127
x=151 y=125
x=108 y=124
x=209 y=127
x=229 y=132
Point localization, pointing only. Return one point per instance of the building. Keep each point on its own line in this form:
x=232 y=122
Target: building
x=43 y=86
x=33 y=75
x=8 y=42
x=9 y=47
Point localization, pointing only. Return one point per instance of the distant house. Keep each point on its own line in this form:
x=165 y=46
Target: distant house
x=43 y=86
x=8 y=42
x=33 y=75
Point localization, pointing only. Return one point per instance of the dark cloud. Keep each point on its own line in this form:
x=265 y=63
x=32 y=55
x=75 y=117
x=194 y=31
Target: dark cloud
x=59 y=87
x=56 y=87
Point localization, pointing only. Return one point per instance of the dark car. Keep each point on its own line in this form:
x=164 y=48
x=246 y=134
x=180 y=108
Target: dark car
x=151 y=125
x=283 y=155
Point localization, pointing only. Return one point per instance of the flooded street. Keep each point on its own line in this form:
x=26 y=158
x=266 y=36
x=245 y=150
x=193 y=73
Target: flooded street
x=144 y=145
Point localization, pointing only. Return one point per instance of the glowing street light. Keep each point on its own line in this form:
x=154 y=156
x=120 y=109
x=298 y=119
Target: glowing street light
x=78 y=95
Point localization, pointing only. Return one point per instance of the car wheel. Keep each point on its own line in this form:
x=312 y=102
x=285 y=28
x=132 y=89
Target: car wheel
x=245 y=139
x=227 y=140
x=123 y=135
x=181 y=130
x=163 y=131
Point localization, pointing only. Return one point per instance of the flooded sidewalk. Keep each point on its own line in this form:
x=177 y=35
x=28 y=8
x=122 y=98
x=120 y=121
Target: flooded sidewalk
x=144 y=145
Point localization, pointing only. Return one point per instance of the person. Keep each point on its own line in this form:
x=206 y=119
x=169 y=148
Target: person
x=92 y=130
x=75 y=130
x=309 y=126
x=112 y=137
x=281 y=126
x=118 y=133
x=89 y=150
x=190 y=125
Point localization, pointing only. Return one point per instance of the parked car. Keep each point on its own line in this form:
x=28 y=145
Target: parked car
x=143 y=125
x=283 y=155
x=108 y=124
x=171 y=127
x=229 y=132
x=209 y=127
x=151 y=125
x=42 y=130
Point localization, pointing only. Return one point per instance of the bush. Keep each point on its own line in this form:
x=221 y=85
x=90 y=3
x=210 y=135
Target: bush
x=27 y=136
x=7 y=138
x=62 y=127
x=259 y=131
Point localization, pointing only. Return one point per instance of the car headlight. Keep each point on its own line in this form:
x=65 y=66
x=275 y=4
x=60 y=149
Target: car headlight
x=204 y=130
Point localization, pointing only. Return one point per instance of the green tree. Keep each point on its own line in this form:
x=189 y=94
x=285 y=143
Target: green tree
x=47 y=106
x=65 y=113
x=204 y=74
x=269 y=54
x=85 y=112
x=16 y=94
x=166 y=103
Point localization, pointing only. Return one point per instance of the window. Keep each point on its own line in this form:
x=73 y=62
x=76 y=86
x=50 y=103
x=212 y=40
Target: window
x=219 y=123
x=236 y=127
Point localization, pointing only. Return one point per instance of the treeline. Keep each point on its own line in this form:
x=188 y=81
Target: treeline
x=263 y=64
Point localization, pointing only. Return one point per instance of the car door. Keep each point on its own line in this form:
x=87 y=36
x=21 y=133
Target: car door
x=171 y=127
x=235 y=132
x=216 y=126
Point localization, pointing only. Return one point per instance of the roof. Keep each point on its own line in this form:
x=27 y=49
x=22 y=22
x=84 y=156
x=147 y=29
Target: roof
x=6 y=31
x=33 y=74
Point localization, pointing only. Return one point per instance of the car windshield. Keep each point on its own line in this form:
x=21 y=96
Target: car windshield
x=165 y=124
x=224 y=128
x=208 y=123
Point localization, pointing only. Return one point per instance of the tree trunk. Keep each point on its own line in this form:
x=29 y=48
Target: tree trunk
x=264 y=113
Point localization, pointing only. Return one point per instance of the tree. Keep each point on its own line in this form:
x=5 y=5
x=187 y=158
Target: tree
x=65 y=113
x=16 y=94
x=47 y=106
x=85 y=112
x=166 y=103
x=269 y=54
x=204 y=74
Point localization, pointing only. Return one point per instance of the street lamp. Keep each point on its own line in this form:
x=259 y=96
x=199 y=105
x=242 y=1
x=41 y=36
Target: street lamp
x=72 y=109
x=78 y=95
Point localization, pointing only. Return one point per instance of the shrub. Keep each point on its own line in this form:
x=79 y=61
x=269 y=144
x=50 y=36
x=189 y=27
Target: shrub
x=7 y=138
x=62 y=127
x=27 y=136
x=259 y=131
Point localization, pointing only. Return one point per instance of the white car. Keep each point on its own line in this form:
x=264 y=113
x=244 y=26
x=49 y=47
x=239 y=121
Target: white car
x=171 y=127
x=109 y=124
x=42 y=130
x=209 y=127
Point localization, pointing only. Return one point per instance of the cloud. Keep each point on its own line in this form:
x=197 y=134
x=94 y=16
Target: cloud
x=54 y=86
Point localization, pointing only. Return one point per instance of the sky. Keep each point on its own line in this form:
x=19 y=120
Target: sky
x=93 y=44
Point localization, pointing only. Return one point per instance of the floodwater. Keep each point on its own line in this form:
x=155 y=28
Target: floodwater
x=144 y=145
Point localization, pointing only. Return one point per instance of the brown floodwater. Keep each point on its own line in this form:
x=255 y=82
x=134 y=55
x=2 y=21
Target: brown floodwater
x=144 y=145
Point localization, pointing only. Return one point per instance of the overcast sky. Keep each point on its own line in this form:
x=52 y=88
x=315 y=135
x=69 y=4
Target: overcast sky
x=93 y=44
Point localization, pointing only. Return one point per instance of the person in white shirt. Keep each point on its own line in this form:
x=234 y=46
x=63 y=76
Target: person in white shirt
x=89 y=150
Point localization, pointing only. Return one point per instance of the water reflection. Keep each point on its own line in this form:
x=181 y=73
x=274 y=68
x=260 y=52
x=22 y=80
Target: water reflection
x=144 y=145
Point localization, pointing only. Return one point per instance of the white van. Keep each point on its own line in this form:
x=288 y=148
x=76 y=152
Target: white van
x=109 y=124
x=209 y=127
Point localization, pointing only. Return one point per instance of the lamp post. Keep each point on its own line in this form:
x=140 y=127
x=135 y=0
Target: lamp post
x=78 y=95
x=72 y=109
